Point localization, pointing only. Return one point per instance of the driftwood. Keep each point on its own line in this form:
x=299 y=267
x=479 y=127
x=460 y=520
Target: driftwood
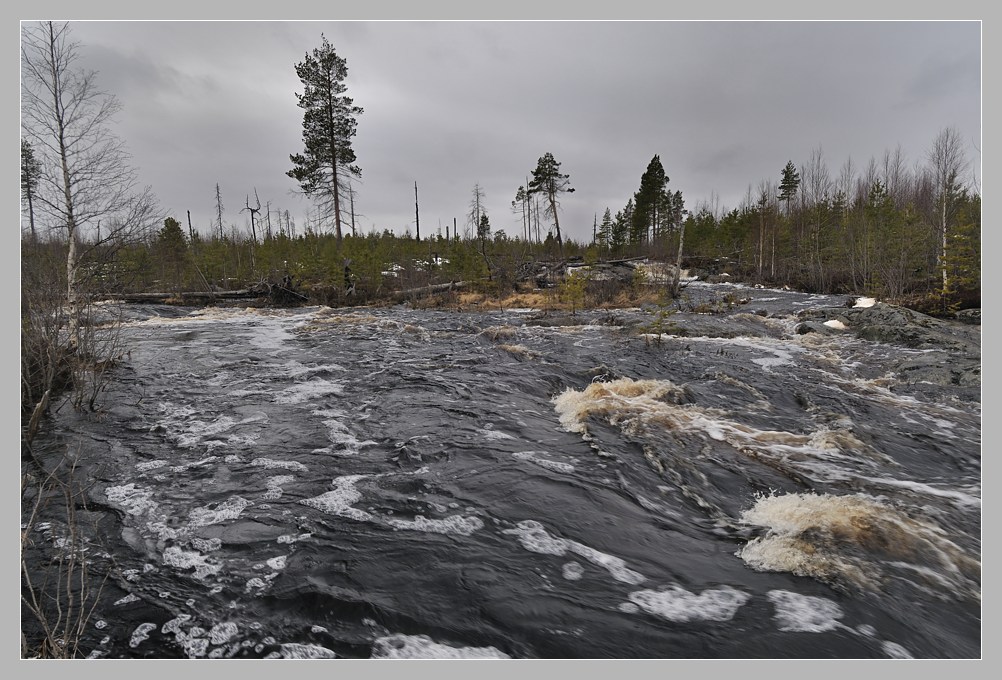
x=192 y=295
x=428 y=290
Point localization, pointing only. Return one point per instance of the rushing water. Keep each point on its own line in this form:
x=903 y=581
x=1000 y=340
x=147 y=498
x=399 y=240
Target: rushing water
x=312 y=483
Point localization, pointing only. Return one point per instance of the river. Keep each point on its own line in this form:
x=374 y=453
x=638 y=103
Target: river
x=401 y=483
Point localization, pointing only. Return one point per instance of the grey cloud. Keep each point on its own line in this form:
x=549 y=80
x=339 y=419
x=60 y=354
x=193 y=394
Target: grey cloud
x=449 y=104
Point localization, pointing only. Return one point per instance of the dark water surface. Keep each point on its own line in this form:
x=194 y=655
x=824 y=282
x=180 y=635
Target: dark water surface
x=397 y=483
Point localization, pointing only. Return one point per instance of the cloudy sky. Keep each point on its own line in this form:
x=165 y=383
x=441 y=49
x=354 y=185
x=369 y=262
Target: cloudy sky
x=451 y=104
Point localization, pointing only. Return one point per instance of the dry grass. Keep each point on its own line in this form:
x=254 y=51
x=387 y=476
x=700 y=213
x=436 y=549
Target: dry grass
x=550 y=301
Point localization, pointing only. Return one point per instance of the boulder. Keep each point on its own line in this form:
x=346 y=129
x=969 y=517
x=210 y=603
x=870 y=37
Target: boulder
x=970 y=316
x=900 y=326
x=814 y=327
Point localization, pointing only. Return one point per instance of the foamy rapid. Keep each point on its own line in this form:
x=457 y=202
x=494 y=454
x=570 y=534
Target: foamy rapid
x=853 y=541
x=652 y=407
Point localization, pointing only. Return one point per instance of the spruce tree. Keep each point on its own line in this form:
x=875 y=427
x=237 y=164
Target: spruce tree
x=31 y=170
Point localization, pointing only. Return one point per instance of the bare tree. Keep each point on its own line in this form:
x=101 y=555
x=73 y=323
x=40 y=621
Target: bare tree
x=948 y=163
x=764 y=204
x=88 y=178
x=253 y=213
x=417 y=217
x=476 y=209
x=816 y=192
x=895 y=177
x=219 y=211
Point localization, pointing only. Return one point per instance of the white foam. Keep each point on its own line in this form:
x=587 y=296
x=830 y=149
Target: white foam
x=423 y=647
x=150 y=465
x=308 y=391
x=277 y=563
x=270 y=335
x=274 y=486
x=174 y=625
x=339 y=434
x=228 y=509
x=340 y=499
x=556 y=466
x=959 y=498
x=494 y=435
x=836 y=324
x=205 y=545
x=804 y=613
x=182 y=559
x=865 y=302
x=614 y=565
x=573 y=571
x=456 y=524
x=135 y=500
x=534 y=538
x=269 y=463
x=221 y=633
x=295 y=650
x=896 y=651
x=127 y=599
x=678 y=604
x=294 y=369
x=289 y=538
x=782 y=350
x=141 y=633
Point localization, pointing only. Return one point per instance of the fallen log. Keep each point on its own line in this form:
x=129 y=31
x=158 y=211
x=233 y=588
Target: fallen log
x=399 y=295
x=201 y=296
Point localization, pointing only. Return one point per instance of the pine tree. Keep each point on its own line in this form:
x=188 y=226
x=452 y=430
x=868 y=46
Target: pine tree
x=650 y=200
x=789 y=184
x=326 y=164
x=547 y=180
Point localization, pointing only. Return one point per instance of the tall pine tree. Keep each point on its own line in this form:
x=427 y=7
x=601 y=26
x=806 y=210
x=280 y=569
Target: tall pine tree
x=650 y=200
x=548 y=181
x=326 y=164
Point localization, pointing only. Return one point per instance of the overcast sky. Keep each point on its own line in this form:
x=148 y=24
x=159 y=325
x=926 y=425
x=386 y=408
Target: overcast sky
x=453 y=104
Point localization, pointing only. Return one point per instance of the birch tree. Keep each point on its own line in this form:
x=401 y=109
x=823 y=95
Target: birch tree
x=88 y=180
x=948 y=162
